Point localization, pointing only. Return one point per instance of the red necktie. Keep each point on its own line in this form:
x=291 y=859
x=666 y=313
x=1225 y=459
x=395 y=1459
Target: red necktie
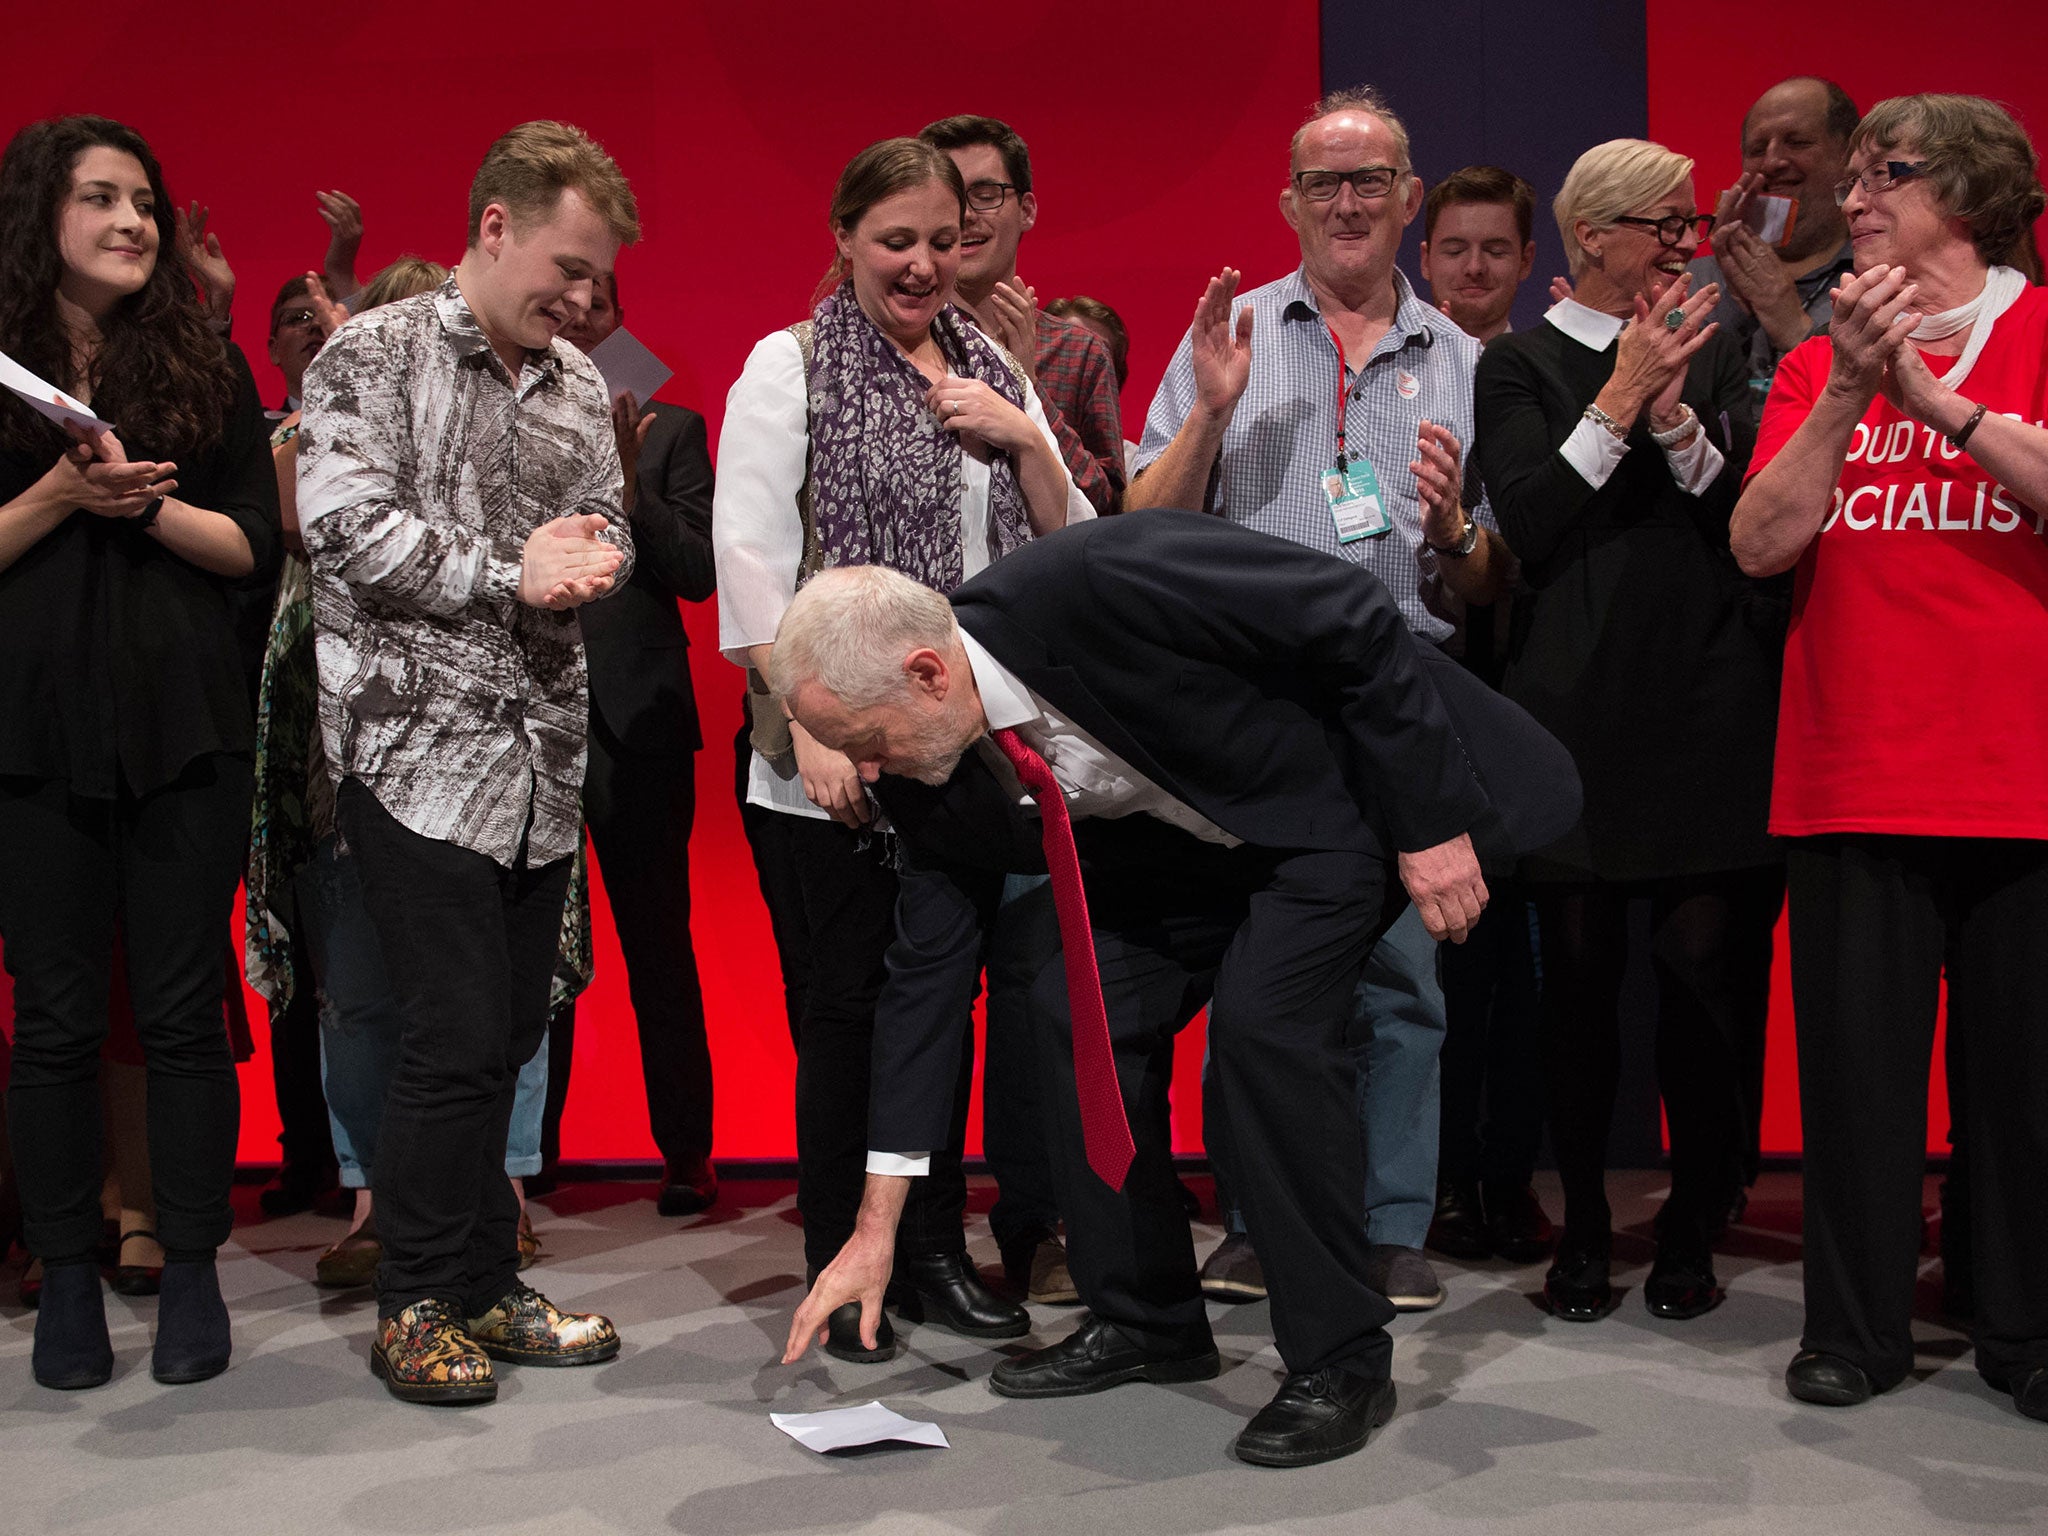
x=1104 y=1131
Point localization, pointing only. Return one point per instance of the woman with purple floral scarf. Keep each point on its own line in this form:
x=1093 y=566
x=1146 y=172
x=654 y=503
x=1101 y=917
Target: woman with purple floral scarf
x=886 y=429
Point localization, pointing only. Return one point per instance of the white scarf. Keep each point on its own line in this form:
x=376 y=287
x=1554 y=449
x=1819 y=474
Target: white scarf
x=2002 y=285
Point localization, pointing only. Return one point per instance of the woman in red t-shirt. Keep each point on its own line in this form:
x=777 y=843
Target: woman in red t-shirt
x=1902 y=468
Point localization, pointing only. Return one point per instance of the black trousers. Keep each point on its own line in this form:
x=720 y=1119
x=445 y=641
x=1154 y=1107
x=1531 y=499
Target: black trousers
x=831 y=899
x=164 y=866
x=1711 y=951
x=1015 y=1119
x=1274 y=944
x=1491 y=1118
x=1873 y=919
x=470 y=947
x=639 y=811
x=304 y=1135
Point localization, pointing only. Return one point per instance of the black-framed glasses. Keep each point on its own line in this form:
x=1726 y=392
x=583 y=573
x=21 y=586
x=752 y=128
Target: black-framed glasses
x=1876 y=178
x=987 y=196
x=1368 y=181
x=1672 y=227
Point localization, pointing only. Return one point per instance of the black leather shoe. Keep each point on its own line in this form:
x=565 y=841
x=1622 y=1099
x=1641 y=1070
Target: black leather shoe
x=136 y=1279
x=193 y=1340
x=298 y=1188
x=72 y=1350
x=1314 y=1417
x=2030 y=1394
x=1515 y=1224
x=842 y=1333
x=943 y=1289
x=1682 y=1283
x=1577 y=1287
x=687 y=1190
x=1458 y=1230
x=1095 y=1357
x=1831 y=1381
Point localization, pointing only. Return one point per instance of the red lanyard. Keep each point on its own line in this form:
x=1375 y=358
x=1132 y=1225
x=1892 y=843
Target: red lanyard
x=1343 y=394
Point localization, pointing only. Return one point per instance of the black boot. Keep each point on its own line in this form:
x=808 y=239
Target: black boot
x=193 y=1341
x=72 y=1349
x=943 y=1288
x=842 y=1333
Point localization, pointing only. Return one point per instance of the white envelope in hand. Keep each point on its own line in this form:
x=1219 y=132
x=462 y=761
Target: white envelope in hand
x=48 y=398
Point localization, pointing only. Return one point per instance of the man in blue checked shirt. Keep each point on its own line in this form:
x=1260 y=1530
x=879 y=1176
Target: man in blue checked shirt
x=1333 y=408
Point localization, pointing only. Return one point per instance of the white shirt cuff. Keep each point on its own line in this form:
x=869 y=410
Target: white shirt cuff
x=900 y=1165
x=1593 y=451
x=1696 y=465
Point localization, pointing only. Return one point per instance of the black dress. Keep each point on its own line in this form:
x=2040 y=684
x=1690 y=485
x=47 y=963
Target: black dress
x=1640 y=645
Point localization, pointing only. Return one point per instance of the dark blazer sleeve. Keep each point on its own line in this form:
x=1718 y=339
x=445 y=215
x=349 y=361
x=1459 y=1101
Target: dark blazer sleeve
x=672 y=506
x=1537 y=497
x=241 y=483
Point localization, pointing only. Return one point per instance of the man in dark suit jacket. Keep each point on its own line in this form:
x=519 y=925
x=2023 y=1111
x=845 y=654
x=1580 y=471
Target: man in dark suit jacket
x=639 y=795
x=1248 y=739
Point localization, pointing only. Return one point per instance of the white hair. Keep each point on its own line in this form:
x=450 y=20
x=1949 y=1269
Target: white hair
x=849 y=629
x=1612 y=179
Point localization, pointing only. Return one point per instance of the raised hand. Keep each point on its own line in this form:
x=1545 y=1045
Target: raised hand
x=1560 y=289
x=327 y=314
x=344 y=218
x=1732 y=205
x=1439 y=481
x=200 y=250
x=1016 y=321
x=1652 y=356
x=1222 y=350
x=1873 y=316
x=630 y=421
x=565 y=564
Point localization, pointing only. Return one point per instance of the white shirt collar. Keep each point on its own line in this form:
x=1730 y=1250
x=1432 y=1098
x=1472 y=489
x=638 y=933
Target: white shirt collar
x=1588 y=327
x=1004 y=700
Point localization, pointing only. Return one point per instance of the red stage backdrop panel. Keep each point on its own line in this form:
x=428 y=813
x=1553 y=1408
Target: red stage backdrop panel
x=1158 y=143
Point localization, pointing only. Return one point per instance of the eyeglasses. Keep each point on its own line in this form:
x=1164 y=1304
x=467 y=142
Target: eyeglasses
x=304 y=319
x=1671 y=229
x=1368 y=181
x=1876 y=178
x=987 y=196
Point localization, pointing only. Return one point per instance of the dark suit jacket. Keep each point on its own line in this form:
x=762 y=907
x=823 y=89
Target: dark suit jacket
x=1272 y=688
x=633 y=639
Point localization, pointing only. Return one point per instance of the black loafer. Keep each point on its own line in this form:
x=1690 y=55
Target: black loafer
x=2029 y=1390
x=687 y=1190
x=1682 y=1284
x=1095 y=1357
x=1577 y=1287
x=1829 y=1380
x=1458 y=1229
x=942 y=1288
x=1516 y=1225
x=1314 y=1417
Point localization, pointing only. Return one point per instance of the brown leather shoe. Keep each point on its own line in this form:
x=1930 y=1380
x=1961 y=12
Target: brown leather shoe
x=1036 y=1270
x=528 y=1329
x=529 y=1240
x=424 y=1355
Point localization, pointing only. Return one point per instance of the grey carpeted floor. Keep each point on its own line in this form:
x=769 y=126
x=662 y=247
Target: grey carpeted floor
x=1509 y=1421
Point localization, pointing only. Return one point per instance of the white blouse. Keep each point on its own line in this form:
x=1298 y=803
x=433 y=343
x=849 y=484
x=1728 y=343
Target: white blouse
x=757 y=535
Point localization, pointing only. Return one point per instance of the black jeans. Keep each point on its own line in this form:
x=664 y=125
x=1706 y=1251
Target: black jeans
x=639 y=811
x=1492 y=1058
x=1874 y=920
x=831 y=899
x=164 y=866
x=1274 y=942
x=470 y=947
x=1015 y=1121
x=1711 y=950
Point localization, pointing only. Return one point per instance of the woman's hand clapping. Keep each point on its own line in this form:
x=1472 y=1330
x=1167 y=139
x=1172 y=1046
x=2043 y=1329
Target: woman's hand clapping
x=95 y=474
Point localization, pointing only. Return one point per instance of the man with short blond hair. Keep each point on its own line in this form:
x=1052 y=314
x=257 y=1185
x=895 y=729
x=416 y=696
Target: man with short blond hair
x=459 y=493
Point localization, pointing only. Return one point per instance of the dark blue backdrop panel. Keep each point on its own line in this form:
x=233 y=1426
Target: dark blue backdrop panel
x=1503 y=82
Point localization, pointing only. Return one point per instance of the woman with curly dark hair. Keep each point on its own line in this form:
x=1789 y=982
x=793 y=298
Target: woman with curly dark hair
x=125 y=763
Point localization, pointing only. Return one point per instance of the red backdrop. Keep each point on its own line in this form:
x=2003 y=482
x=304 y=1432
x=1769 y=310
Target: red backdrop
x=1159 y=151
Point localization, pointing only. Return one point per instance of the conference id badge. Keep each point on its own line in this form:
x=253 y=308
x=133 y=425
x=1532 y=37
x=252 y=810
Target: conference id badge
x=1356 y=506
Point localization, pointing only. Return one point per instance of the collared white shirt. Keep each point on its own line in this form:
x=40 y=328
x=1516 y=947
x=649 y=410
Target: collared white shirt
x=1594 y=451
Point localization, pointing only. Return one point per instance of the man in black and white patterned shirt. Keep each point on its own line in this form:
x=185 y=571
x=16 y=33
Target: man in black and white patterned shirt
x=459 y=493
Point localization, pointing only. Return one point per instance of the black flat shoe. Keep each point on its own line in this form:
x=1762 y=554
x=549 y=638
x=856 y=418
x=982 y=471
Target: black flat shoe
x=1516 y=1225
x=842 y=1333
x=193 y=1339
x=686 y=1190
x=1577 y=1286
x=943 y=1289
x=1829 y=1380
x=136 y=1279
x=1315 y=1417
x=72 y=1350
x=1095 y=1357
x=1458 y=1229
x=1682 y=1284
x=2030 y=1394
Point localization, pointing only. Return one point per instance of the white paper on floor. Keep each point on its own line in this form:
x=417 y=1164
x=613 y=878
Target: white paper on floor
x=841 y=1429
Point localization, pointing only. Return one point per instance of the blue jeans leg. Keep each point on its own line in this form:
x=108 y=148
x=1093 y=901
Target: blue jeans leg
x=1398 y=1033
x=529 y=1105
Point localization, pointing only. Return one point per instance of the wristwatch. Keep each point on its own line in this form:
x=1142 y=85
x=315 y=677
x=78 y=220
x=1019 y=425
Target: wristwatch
x=1465 y=545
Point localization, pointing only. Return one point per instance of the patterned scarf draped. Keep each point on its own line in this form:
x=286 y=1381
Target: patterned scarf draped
x=885 y=476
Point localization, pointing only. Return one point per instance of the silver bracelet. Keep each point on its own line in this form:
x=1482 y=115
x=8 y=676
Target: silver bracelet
x=1688 y=420
x=1600 y=418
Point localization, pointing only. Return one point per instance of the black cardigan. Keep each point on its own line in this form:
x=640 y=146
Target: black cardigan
x=1641 y=645
x=118 y=659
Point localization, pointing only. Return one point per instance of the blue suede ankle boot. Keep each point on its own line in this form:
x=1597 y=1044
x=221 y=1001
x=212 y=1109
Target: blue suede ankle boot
x=192 y=1337
x=72 y=1349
